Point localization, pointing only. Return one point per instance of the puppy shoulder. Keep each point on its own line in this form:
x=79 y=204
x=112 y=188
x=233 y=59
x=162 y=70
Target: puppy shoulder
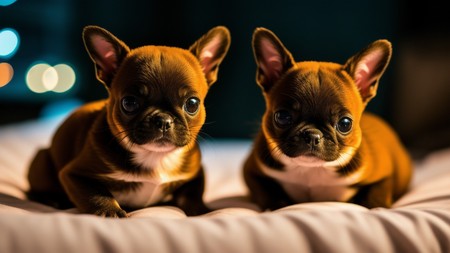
x=78 y=123
x=84 y=115
x=381 y=142
x=374 y=125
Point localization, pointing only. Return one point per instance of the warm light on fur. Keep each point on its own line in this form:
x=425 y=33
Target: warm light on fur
x=138 y=147
x=316 y=142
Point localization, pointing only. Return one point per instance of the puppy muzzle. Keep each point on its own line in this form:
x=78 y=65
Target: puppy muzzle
x=312 y=137
x=162 y=121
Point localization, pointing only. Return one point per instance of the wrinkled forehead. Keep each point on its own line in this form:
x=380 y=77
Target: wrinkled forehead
x=161 y=69
x=318 y=86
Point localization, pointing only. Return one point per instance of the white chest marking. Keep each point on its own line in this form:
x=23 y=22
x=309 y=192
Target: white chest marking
x=306 y=180
x=158 y=169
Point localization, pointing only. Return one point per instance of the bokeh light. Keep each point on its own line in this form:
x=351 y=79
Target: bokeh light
x=50 y=78
x=9 y=41
x=42 y=77
x=6 y=73
x=66 y=78
x=34 y=77
x=6 y=2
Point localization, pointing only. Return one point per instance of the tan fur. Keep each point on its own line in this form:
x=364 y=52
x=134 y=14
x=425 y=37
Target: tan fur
x=106 y=158
x=368 y=165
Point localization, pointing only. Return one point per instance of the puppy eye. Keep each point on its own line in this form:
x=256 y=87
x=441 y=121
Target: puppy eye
x=344 y=125
x=130 y=104
x=283 y=118
x=191 y=105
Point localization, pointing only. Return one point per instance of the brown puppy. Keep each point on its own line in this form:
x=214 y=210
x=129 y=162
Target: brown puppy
x=137 y=147
x=315 y=143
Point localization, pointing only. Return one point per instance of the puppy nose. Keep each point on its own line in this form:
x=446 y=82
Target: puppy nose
x=312 y=137
x=163 y=122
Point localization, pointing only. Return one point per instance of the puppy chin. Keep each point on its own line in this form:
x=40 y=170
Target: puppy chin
x=157 y=147
x=310 y=161
x=306 y=161
x=315 y=162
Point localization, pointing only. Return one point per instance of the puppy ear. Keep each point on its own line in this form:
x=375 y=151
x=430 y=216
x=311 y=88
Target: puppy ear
x=272 y=58
x=105 y=50
x=367 y=67
x=210 y=50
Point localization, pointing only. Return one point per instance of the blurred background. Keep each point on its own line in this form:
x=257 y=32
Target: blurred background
x=45 y=70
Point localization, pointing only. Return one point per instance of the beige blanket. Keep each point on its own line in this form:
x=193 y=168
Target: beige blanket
x=418 y=222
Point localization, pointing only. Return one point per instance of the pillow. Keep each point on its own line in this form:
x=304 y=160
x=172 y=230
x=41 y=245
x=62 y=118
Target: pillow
x=418 y=222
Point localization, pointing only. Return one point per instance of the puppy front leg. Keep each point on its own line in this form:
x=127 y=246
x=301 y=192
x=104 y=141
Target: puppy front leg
x=189 y=196
x=44 y=185
x=90 y=195
x=264 y=191
x=378 y=194
x=267 y=193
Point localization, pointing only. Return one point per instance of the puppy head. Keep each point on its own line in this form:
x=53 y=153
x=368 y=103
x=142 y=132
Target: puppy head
x=313 y=109
x=156 y=93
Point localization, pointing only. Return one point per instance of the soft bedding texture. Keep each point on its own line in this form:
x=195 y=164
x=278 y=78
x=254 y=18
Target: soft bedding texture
x=418 y=222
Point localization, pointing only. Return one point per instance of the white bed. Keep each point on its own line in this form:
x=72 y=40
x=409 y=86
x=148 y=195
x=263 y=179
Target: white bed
x=418 y=222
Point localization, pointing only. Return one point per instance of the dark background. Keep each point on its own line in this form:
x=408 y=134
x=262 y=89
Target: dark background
x=413 y=94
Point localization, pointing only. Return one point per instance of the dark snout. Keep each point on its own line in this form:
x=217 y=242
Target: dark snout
x=308 y=140
x=312 y=137
x=161 y=121
x=305 y=141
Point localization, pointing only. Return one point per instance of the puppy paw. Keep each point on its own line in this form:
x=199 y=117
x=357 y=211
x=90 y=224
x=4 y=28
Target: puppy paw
x=274 y=205
x=196 y=210
x=111 y=212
